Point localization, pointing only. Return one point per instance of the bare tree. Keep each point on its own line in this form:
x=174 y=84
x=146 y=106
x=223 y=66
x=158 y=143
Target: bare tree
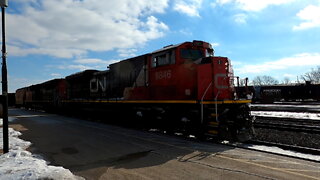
x=313 y=75
x=242 y=82
x=286 y=81
x=264 y=80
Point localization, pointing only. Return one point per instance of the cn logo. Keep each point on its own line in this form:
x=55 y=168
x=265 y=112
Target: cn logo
x=98 y=83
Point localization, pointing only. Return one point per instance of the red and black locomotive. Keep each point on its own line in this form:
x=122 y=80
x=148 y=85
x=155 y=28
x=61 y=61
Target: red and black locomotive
x=180 y=87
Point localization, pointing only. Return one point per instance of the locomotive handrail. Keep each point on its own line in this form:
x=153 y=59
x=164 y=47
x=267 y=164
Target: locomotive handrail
x=201 y=102
x=216 y=105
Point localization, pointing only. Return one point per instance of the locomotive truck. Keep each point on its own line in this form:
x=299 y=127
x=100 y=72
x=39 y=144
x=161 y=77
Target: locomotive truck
x=181 y=87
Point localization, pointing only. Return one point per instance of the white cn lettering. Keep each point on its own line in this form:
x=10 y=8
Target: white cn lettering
x=96 y=83
x=103 y=84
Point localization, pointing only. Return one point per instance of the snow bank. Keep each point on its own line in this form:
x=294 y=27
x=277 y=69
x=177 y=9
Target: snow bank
x=14 y=142
x=285 y=152
x=302 y=115
x=10 y=119
x=21 y=164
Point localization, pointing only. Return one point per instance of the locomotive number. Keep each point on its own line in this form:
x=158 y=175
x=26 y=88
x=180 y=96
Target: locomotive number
x=163 y=74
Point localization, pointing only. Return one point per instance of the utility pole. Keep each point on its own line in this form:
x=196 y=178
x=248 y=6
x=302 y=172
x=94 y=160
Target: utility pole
x=4 y=4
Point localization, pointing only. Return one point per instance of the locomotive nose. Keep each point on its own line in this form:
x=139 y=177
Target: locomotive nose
x=215 y=78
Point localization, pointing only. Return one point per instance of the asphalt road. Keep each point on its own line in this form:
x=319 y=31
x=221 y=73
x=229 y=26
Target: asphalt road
x=100 y=151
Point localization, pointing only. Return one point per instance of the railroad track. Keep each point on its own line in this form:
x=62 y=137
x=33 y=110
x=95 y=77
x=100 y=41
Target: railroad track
x=311 y=108
x=288 y=124
x=300 y=149
x=288 y=127
x=249 y=145
x=296 y=149
x=288 y=120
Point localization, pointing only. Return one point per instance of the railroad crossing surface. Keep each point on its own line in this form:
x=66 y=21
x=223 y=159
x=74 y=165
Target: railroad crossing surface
x=99 y=151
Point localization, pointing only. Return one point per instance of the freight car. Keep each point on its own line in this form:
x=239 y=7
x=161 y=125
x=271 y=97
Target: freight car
x=47 y=95
x=180 y=87
x=272 y=93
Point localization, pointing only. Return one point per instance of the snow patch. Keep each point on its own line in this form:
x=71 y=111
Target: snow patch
x=14 y=142
x=302 y=115
x=21 y=164
x=10 y=119
x=278 y=150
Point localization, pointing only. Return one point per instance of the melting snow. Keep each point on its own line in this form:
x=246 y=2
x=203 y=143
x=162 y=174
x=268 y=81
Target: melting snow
x=21 y=164
x=284 y=152
x=302 y=115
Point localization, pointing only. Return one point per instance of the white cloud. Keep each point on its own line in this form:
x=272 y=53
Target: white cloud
x=240 y=18
x=91 y=61
x=84 y=64
x=215 y=44
x=311 y=17
x=18 y=82
x=71 y=28
x=253 y=5
x=189 y=7
x=223 y=1
x=56 y=75
x=127 y=52
x=57 y=52
x=289 y=75
x=299 y=60
x=78 y=67
x=248 y=7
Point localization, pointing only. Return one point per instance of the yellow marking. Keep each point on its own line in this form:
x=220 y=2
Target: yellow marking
x=228 y=102
x=278 y=162
x=301 y=170
x=267 y=167
x=213 y=132
x=160 y=101
x=213 y=123
x=214 y=115
x=137 y=101
x=39 y=101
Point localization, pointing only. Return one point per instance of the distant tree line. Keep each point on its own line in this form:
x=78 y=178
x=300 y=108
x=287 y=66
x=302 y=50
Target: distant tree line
x=313 y=76
x=264 y=80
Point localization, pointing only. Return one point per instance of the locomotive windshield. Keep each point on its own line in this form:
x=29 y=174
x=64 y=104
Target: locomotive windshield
x=193 y=54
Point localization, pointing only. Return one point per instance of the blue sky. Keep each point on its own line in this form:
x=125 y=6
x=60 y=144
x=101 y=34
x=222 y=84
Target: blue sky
x=49 y=39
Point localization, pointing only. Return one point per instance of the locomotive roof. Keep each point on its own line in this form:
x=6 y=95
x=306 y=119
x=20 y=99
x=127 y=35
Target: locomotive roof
x=101 y=72
x=194 y=42
x=46 y=82
x=168 y=47
x=128 y=60
x=90 y=71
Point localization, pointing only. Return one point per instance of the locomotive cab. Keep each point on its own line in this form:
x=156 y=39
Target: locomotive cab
x=190 y=71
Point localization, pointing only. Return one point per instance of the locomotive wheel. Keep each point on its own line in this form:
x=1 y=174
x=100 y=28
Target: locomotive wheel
x=243 y=129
